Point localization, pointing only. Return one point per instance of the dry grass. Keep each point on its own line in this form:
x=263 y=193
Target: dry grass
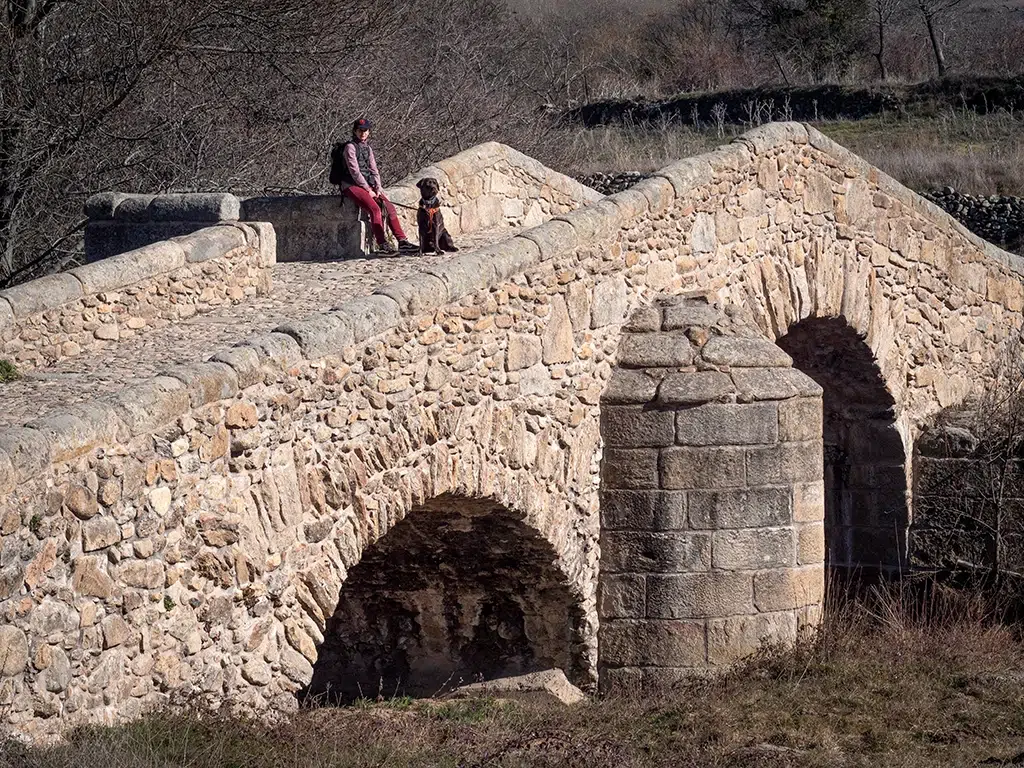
x=975 y=153
x=892 y=681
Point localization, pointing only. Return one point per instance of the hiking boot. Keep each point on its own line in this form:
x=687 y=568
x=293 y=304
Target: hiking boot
x=386 y=249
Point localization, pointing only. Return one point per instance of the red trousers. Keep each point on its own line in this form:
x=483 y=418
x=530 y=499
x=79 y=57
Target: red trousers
x=372 y=209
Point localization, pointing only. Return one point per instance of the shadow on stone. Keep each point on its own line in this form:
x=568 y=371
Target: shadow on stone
x=866 y=513
x=460 y=591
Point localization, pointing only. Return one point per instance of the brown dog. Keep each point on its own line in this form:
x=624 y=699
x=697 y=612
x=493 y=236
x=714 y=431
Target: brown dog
x=434 y=238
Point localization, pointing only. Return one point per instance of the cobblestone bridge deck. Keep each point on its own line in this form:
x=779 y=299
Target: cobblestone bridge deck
x=299 y=289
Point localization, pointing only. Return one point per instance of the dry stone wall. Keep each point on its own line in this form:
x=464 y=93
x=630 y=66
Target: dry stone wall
x=969 y=492
x=59 y=316
x=192 y=537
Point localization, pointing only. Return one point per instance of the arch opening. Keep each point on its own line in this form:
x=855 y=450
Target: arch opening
x=865 y=472
x=459 y=591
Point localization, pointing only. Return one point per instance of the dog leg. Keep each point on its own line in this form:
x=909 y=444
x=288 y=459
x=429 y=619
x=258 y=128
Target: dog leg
x=447 y=243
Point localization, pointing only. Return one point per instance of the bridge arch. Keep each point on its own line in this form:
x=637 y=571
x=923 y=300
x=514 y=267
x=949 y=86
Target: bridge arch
x=866 y=465
x=459 y=590
x=442 y=555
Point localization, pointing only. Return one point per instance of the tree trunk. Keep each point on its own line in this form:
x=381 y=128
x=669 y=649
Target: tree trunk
x=940 y=57
x=881 y=50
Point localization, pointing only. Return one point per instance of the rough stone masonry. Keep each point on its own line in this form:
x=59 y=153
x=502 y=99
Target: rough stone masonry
x=213 y=535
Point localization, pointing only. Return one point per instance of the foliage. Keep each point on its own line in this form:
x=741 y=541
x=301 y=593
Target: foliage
x=8 y=371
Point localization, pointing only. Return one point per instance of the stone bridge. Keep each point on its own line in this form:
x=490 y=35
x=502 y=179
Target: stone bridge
x=623 y=436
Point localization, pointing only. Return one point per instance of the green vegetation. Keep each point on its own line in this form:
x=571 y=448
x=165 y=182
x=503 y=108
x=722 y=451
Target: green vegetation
x=892 y=680
x=8 y=371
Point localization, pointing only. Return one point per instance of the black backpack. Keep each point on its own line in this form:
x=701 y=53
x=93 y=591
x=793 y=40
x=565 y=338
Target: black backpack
x=339 y=172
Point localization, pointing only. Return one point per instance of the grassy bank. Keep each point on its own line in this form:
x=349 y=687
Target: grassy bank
x=882 y=685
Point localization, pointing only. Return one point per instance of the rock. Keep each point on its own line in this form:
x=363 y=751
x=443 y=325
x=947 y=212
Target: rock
x=557 y=340
x=57 y=675
x=110 y=492
x=256 y=672
x=100 y=533
x=13 y=651
x=703 y=236
x=115 y=631
x=241 y=416
x=548 y=686
x=160 y=500
x=107 y=332
x=81 y=502
x=90 y=580
x=142 y=574
x=610 y=302
x=524 y=351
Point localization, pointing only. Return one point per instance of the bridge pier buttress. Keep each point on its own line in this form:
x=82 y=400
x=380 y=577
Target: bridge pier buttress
x=712 y=505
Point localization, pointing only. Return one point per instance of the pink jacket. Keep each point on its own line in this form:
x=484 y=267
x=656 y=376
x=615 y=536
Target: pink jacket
x=352 y=163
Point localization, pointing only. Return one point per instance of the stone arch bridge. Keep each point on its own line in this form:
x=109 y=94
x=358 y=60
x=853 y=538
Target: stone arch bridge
x=621 y=436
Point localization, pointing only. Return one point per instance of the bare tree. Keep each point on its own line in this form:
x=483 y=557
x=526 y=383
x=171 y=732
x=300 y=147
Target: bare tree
x=934 y=13
x=884 y=13
x=124 y=92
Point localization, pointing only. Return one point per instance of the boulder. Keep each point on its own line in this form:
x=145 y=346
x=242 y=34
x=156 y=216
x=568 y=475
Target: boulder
x=548 y=686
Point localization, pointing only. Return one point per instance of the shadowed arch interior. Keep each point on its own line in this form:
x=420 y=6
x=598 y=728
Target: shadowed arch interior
x=866 y=511
x=460 y=590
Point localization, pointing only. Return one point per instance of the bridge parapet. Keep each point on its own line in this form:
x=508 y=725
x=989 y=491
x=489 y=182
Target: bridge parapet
x=490 y=186
x=63 y=315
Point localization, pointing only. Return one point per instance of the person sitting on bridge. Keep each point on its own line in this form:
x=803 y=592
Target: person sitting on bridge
x=355 y=172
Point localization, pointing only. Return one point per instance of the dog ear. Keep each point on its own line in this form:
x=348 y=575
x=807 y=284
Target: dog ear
x=421 y=183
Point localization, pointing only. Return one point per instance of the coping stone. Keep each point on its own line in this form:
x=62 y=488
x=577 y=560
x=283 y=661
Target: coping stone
x=687 y=175
x=8 y=476
x=130 y=267
x=555 y=238
x=465 y=275
x=276 y=348
x=28 y=450
x=765 y=138
x=133 y=208
x=631 y=203
x=6 y=313
x=511 y=257
x=68 y=435
x=416 y=293
x=206 y=382
x=323 y=334
x=371 y=316
x=210 y=243
x=102 y=419
x=244 y=361
x=202 y=206
x=102 y=206
x=147 y=406
x=659 y=191
x=43 y=293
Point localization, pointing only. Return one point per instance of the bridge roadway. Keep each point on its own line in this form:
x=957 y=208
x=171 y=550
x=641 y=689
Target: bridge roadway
x=299 y=289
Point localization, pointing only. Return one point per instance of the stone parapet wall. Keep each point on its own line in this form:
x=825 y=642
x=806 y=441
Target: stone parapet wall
x=189 y=538
x=712 y=502
x=59 y=316
x=120 y=222
x=489 y=186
